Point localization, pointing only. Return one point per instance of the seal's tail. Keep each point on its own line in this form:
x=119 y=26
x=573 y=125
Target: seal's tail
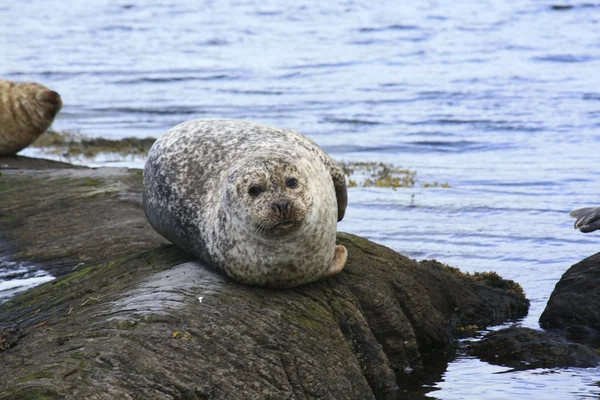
x=588 y=219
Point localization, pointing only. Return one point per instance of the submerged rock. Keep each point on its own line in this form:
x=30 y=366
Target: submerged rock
x=525 y=348
x=146 y=320
x=574 y=306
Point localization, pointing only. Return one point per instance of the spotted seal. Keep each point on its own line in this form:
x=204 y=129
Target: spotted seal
x=26 y=111
x=259 y=203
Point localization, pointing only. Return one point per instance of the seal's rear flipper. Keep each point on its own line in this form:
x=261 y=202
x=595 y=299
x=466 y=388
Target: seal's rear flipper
x=588 y=219
x=339 y=260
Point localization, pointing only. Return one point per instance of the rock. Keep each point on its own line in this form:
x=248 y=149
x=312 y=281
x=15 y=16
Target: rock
x=26 y=111
x=22 y=162
x=574 y=306
x=525 y=348
x=63 y=217
x=143 y=319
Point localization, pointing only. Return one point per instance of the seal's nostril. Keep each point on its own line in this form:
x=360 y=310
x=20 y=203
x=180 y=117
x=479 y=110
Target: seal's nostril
x=280 y=207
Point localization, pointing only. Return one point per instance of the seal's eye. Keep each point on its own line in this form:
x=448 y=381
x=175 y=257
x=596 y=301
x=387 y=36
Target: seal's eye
x=291 y=183
x=254 y=191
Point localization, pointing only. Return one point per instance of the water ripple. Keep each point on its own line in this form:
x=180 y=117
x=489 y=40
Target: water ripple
x=564 y=58
x=395 y=27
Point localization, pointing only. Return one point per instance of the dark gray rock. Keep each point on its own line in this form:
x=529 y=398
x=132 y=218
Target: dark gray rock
x=574 y=306
x=525 y=348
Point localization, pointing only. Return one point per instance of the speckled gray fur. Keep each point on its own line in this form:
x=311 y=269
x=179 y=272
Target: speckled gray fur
x=197 y=184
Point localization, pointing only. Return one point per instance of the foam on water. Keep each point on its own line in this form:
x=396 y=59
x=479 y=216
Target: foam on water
x=18 y=276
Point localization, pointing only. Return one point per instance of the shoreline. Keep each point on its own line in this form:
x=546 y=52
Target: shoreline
x=78 y=149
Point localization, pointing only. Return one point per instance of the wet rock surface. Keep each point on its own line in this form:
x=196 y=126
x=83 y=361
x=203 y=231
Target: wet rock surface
x=135 y=317
x=525 y=348
x=574 y=306
x=62 y=216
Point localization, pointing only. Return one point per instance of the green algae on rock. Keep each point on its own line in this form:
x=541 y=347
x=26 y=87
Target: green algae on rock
x=489 y=278
x=73 y=144
x=378 y=174
x=436 y=184
x=383 y=175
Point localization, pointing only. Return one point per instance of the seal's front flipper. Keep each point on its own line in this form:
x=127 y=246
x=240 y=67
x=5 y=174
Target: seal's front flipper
x=339 y=260
x=339 y=183
x=341 y=195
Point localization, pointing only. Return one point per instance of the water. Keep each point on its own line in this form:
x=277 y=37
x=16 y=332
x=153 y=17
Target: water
x=498 y=98
x=16 y=276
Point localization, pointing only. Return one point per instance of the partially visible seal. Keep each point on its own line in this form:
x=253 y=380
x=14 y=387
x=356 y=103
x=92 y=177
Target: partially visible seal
x=26 y=111
x=259 y=203
x=588 y=219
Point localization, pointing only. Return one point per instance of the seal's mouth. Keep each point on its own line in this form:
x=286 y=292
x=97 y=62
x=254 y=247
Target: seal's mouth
x=285 y=226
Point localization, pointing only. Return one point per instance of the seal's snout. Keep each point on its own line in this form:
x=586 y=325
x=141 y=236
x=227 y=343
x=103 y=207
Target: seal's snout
x=285 y=210
x=50 y=96
x=52 y=103
x=281 y=208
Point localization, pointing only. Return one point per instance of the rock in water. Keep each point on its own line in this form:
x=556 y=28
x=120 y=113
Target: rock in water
x=26 y=111
x=525 y=348
x=259 y=203
x=574 y=305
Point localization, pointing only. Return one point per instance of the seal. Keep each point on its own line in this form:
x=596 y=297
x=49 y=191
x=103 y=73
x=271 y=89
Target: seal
x=257 y=202
x=26 y=111
x=588 y=219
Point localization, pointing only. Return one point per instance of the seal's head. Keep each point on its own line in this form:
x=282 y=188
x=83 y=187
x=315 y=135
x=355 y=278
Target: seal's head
x=269 y=195
x=41 y=104
x=48 y=101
